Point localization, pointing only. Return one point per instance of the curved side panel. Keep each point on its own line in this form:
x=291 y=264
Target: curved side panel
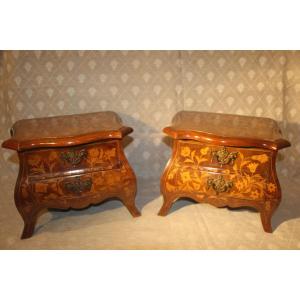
x=271 y=204
x=163 y=179
x=128 y=188
x=25 y=202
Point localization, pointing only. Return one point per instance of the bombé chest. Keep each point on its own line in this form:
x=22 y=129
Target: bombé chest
x=225 y=160
x=70 y=162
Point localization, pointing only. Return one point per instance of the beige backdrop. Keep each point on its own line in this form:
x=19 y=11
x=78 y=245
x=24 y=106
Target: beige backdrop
x=147 y=88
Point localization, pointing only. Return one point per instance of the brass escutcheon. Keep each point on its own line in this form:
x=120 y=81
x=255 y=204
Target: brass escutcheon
x=224 y=157
x=74 y=157
x=78 y=186
x=219 y=184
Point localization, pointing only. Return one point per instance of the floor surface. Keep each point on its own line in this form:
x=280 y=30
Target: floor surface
x=188 y=226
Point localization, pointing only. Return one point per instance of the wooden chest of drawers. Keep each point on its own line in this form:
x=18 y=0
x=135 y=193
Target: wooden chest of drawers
x=225 y=160
x=70 y=162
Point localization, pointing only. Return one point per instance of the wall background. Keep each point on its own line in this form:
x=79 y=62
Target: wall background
x=147 y=88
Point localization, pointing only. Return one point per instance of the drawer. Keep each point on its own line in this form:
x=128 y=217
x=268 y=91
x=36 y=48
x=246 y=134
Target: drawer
x=245 y=161
x=189 y=180
x=71 y=160
x=61 y=189
x=234 y=186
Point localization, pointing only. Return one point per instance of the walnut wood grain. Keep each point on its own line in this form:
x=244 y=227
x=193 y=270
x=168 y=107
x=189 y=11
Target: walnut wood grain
x=227 y=125
x=226 y=141
x=20 y=145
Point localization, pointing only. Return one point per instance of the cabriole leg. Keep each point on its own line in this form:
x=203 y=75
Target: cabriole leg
x=30 y=218
x=128 y=199
x=167 y=204
x=266 y=213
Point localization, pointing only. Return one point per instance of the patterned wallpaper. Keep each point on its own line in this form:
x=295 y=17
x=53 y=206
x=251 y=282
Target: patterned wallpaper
x=147 y=88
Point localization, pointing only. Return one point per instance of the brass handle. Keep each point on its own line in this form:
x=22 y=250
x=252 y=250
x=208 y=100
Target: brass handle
x=224 y=157
x=74 y=157
x=78 y=186
x=219 y=184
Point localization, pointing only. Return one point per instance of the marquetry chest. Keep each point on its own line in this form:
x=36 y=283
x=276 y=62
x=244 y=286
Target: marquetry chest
x=70 y=162
x=224 y=160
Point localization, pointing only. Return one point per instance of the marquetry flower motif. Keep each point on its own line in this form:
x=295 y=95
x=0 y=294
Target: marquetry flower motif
x=172 y=173
x=239 y=185
x=248 y=182
x=262 y=158
x=110 y=153
x=196 y=186
x=271 y=187
x=185 y=176
x=94 y=152
x=252 y=167
x=185 y=151
x=204 y=151
x=226 y=171
x=255 y=194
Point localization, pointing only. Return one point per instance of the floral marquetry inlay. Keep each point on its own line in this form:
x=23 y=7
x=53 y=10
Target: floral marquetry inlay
x=195 y=170
x=63 y=169
x=224 y=160
x=98 y=156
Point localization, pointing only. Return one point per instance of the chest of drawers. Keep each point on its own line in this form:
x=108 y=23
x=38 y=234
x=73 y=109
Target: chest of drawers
x=70 y=162
x=224 y=160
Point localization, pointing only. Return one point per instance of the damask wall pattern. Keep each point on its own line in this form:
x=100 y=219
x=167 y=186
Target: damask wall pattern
x=147 y=88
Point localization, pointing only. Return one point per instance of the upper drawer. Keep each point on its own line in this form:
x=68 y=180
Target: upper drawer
x=229 y=159
x=72 y=160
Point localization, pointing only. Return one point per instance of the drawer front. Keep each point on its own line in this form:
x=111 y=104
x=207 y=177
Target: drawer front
x=61 y=189
x=92 y=157
x=189 y=180
x=245 y=161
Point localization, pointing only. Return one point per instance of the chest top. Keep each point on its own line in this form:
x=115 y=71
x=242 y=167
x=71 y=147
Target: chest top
x=66 y=130
x=227 y=129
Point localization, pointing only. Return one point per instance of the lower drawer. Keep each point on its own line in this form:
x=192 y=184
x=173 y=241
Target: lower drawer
x=192 y=180
x=64 y=188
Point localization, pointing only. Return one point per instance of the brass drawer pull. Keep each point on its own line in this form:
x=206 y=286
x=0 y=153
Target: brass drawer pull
x=224 y=157
x=219 y=185
x=78 y=186
x=74 y=157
